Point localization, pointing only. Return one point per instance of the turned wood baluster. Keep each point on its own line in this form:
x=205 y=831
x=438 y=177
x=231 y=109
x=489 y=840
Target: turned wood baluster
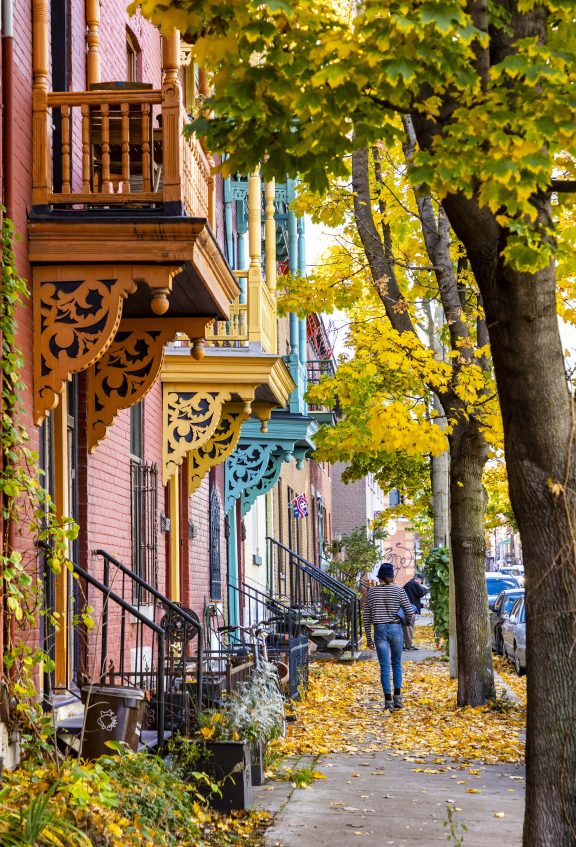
x=146 y=184
x=106 y=184
x=41 y=117
x=65 y=114
x=85 y=110
x=125 y=137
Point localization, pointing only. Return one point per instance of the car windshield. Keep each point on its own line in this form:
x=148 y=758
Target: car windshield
x=496 y=584
x=509 y=602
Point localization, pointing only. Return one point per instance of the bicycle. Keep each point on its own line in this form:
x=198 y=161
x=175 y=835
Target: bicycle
x=265 y=671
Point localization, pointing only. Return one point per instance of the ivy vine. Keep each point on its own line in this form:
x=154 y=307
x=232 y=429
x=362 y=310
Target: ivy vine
x=437 y=570
x=29 y=520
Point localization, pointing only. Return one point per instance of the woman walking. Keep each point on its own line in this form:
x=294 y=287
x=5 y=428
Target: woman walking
x=381 y=610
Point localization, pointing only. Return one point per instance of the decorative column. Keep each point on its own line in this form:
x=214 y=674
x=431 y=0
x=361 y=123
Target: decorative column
x=302 y=272
x=174 y=565
x=293 y=268
x=203 y=89
x=255 y=252
x=172 y=140
x=40 y=115
x=92 y=42
x=270 y=235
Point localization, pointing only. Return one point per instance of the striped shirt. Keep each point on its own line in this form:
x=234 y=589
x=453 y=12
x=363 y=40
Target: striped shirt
x=381 y=606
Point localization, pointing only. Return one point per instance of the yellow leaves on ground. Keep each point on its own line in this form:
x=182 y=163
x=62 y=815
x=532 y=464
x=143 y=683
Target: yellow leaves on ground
x=344 y=713
x=517 y=683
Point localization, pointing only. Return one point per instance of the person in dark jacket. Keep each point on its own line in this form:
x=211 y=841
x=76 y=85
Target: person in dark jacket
x=415 y=591
x=381 y=607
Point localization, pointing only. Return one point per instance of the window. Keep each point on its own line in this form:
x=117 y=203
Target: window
x=133 y=57
x=144 y=502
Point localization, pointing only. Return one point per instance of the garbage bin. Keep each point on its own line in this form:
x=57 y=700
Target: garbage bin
x=113 y=713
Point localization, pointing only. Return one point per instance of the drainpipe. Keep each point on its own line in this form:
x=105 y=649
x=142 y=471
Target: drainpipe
x=8 y=104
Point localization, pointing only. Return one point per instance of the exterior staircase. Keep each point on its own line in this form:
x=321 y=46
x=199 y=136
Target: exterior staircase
x=330 y=611
x=140 y=641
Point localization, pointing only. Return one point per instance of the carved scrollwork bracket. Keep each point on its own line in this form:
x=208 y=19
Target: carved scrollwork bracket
x=190 y=420
x=220 y=446
x=77 y=311
x=129 y=368
x=252 y=470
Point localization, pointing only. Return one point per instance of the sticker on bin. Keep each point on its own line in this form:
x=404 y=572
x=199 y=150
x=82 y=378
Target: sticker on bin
x=107 y=720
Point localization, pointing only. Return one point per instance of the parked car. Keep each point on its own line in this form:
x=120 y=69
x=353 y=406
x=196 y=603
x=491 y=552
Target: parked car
x=514 y=636
x=500 y=612
x=496 y=583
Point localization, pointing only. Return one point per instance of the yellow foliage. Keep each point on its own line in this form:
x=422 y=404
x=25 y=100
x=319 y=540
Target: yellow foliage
x=343 y=713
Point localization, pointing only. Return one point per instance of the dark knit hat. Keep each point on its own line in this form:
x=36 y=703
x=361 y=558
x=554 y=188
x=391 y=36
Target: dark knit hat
x=386 y=571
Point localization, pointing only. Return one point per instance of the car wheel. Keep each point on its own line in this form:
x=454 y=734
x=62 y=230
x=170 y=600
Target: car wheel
x=519 y=669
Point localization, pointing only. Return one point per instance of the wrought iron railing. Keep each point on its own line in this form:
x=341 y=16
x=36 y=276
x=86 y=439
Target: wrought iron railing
x=180 y=698
x=306 y=587
x=286 y=640
x=97 y=612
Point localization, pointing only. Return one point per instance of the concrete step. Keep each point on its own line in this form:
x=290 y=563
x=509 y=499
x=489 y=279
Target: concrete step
x=338 y=645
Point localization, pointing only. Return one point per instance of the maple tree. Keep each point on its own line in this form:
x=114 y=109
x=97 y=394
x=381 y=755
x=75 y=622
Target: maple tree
x=396 y=244
x=299 y=85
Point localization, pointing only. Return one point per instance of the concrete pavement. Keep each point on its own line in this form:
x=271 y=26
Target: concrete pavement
x=391 y=802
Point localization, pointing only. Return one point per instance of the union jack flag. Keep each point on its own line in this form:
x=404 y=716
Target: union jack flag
x=300 y=506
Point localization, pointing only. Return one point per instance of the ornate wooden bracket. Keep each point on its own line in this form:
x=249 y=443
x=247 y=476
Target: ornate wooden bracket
x=190 y=420
x=252 y=470
x=129 y=368
x=220 y=446
x=77 y=311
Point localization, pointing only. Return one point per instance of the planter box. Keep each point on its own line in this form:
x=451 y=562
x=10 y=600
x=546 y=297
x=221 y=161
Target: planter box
x=229 y=764
x=257 y=757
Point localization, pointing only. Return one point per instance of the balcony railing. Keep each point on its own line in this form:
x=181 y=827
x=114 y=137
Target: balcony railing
x=253 y=320
x=117 y=147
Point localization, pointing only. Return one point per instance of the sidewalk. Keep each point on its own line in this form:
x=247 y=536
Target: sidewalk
x=387 y=800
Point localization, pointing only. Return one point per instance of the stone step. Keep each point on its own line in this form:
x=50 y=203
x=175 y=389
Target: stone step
x=338 y=645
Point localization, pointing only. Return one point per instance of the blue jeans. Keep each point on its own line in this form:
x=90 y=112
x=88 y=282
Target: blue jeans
x=389 y=641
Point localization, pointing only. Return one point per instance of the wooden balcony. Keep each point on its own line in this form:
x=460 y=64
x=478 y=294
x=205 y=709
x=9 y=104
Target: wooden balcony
x=252 y=318
x=115 y=147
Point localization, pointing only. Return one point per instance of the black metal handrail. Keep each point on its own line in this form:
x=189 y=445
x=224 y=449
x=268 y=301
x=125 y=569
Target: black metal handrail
x=307 y=584
x=176 y=622
x=127 y=609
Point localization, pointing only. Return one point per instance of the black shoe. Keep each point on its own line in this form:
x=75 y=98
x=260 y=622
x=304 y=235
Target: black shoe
x=414 y=647
x=389 y=705
x=398 y=701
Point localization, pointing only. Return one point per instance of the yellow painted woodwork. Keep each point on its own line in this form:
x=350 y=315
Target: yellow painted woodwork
x=270 y=235
x=190 y=418
x=62 y=506
x=240 y=376
x=174 y=490
x=221 y=445
x=130 y=366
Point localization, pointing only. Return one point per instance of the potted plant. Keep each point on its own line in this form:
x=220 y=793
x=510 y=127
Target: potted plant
x=225 y=757
x=234 y=738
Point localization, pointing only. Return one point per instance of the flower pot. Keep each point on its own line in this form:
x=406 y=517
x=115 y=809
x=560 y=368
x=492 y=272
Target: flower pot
x=257 y=762
x=229 y=764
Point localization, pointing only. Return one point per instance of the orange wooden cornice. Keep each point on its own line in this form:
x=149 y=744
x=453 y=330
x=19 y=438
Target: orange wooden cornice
x=165 y=241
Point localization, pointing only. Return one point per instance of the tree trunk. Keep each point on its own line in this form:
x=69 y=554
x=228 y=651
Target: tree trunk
x=468 y=453
x=440 y=483
x=537 y=412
